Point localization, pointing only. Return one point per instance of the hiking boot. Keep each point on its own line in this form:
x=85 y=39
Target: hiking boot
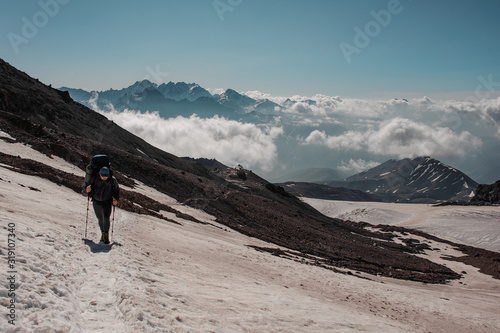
x=105 y=238
x=102 y=238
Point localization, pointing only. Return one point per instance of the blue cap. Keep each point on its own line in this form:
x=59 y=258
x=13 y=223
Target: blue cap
x=104 y=172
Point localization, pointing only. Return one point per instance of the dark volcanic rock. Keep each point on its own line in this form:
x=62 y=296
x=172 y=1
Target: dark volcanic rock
x=317 y=191
x=210 y=164
x=487 y=194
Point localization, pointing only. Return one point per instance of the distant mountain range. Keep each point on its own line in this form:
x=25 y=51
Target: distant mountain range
x=418 y=179
x=174 y=99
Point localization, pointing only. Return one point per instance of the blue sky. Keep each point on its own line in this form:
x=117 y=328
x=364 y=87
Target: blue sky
x=278 y=47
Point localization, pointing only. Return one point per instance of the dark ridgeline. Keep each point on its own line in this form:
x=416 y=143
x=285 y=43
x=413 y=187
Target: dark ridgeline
x=325 y=192
x=420 y=179
x=51 y=122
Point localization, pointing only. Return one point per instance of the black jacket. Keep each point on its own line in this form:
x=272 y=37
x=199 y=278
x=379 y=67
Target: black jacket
x=105 y=191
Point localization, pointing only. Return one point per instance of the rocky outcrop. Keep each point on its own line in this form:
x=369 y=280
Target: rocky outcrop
x=487 y=194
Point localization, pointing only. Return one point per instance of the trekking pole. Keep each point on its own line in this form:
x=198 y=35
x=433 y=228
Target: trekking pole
x=113 y=222
x=87 y=219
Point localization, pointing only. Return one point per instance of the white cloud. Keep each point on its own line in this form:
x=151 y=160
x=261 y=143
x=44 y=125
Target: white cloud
x=403 y=138
x=459 y=114
x=348 y=141
x=356 y=166
x=215 y=91
x=259 y=95
x=326 y=108
x=228 y=141
x=329 y=105
x=491 y=110
x=406 y=138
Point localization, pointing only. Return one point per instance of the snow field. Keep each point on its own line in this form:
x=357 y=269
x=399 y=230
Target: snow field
x=472 y=225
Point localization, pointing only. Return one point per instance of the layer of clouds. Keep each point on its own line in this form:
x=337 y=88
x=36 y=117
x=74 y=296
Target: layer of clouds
x=230 y=142
x=486 y=111
x=356 y=166
x=394 y=128
x=456 y=113
x=320 y=104
x=401 y=137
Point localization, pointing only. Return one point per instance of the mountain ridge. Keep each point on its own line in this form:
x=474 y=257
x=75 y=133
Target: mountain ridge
x=176 y=91
x=311 y=175
x=325 y=192
x=418 y=179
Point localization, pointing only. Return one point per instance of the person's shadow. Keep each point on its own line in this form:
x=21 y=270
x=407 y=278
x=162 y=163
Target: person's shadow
x=99 y=247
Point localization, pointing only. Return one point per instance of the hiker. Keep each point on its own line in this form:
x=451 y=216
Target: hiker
x=104 y=192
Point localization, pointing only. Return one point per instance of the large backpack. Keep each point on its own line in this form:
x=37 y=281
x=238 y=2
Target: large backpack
x=97 y=162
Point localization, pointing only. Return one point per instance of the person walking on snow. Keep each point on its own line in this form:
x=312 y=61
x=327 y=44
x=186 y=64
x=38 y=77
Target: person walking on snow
x=104 y=192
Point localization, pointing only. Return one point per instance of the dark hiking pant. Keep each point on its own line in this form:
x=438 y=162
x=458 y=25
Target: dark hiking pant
x=102 y=211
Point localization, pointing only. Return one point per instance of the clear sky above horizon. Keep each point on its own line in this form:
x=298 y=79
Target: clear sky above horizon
x=362 y=49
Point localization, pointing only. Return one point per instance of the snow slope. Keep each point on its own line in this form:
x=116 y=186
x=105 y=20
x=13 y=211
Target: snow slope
x=477 y=226
x=164 y=277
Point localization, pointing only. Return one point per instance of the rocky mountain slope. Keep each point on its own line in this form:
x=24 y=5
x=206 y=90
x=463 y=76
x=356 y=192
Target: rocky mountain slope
x=49 y=121
x=181 y=90
x=420 y=179
x=318 y=191
x=487 y=194
x=312 y=175
x=210 y=164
